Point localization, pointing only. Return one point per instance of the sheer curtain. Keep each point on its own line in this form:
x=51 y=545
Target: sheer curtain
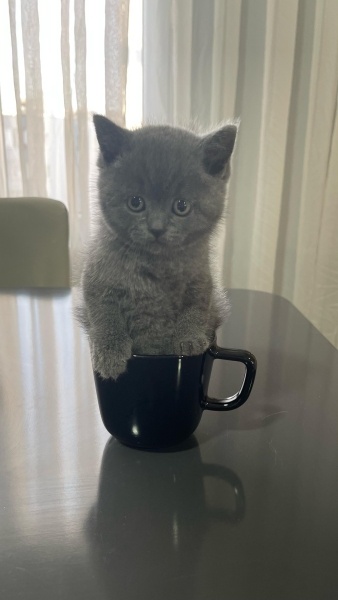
x=59 y=62
x=274 y=64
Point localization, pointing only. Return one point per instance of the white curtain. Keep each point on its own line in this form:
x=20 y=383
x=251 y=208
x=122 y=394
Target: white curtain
x=274 y=64
x=59 y=62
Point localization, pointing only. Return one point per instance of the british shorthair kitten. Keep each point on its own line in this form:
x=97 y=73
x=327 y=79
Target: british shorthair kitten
x=148 y=284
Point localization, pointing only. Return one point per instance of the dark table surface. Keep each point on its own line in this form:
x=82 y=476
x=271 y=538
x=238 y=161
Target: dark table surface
x=246 y=509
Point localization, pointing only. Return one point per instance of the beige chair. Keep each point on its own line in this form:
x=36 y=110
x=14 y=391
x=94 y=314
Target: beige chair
x=34 y=237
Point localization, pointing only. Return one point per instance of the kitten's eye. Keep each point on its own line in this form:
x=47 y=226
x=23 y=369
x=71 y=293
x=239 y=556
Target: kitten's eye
x=181 y=208
x=136 y=204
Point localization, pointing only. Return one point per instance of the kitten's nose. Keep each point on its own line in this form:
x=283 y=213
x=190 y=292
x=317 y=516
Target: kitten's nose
x=157 y=231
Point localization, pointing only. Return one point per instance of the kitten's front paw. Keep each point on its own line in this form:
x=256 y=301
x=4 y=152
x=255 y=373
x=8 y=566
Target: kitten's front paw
x=191 y=347
x=109 y=367
x=110 y=362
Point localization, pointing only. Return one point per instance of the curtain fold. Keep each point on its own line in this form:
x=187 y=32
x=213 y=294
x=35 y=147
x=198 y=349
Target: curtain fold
x=227 y=18
x=34 y=109
x=3 y=162
x=82 y=209
x=16 y=82
x=280 y=37
x=69 y=146
x=313 y=278
x=116 y=59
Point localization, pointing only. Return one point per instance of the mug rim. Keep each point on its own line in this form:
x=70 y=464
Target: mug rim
x=159 y=356
x=156 y=356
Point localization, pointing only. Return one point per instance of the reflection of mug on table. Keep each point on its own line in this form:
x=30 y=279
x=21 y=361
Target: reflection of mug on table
x=159 y=401
x=151 y=517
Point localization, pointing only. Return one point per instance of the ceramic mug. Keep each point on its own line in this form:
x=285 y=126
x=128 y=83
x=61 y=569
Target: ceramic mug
x=159 y=401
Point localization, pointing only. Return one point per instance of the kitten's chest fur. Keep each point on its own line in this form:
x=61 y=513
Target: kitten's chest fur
x=159 y=284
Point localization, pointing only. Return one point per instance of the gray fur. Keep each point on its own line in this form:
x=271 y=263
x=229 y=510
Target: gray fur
x=148 y=286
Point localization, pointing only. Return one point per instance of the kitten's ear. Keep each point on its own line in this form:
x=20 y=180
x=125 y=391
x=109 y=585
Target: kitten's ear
x=217 y=150
x=113 y=140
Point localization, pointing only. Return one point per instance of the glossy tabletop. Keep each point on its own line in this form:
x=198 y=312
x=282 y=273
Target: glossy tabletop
x=247 y=509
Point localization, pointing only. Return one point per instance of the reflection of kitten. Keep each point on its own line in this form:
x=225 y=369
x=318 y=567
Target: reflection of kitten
x=147 y=284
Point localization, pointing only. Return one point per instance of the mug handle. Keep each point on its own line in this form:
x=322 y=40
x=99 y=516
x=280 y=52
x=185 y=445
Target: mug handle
x=228 y=476
x=250 y=362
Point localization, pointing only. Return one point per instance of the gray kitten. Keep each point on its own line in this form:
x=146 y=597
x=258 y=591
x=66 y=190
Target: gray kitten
x=148 y=286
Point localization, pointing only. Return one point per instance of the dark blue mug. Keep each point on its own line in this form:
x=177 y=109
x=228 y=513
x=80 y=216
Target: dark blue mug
x=159 y=401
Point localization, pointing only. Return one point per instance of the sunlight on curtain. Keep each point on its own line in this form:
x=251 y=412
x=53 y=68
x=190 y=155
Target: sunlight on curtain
x=274 y=64
x=60 y=62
